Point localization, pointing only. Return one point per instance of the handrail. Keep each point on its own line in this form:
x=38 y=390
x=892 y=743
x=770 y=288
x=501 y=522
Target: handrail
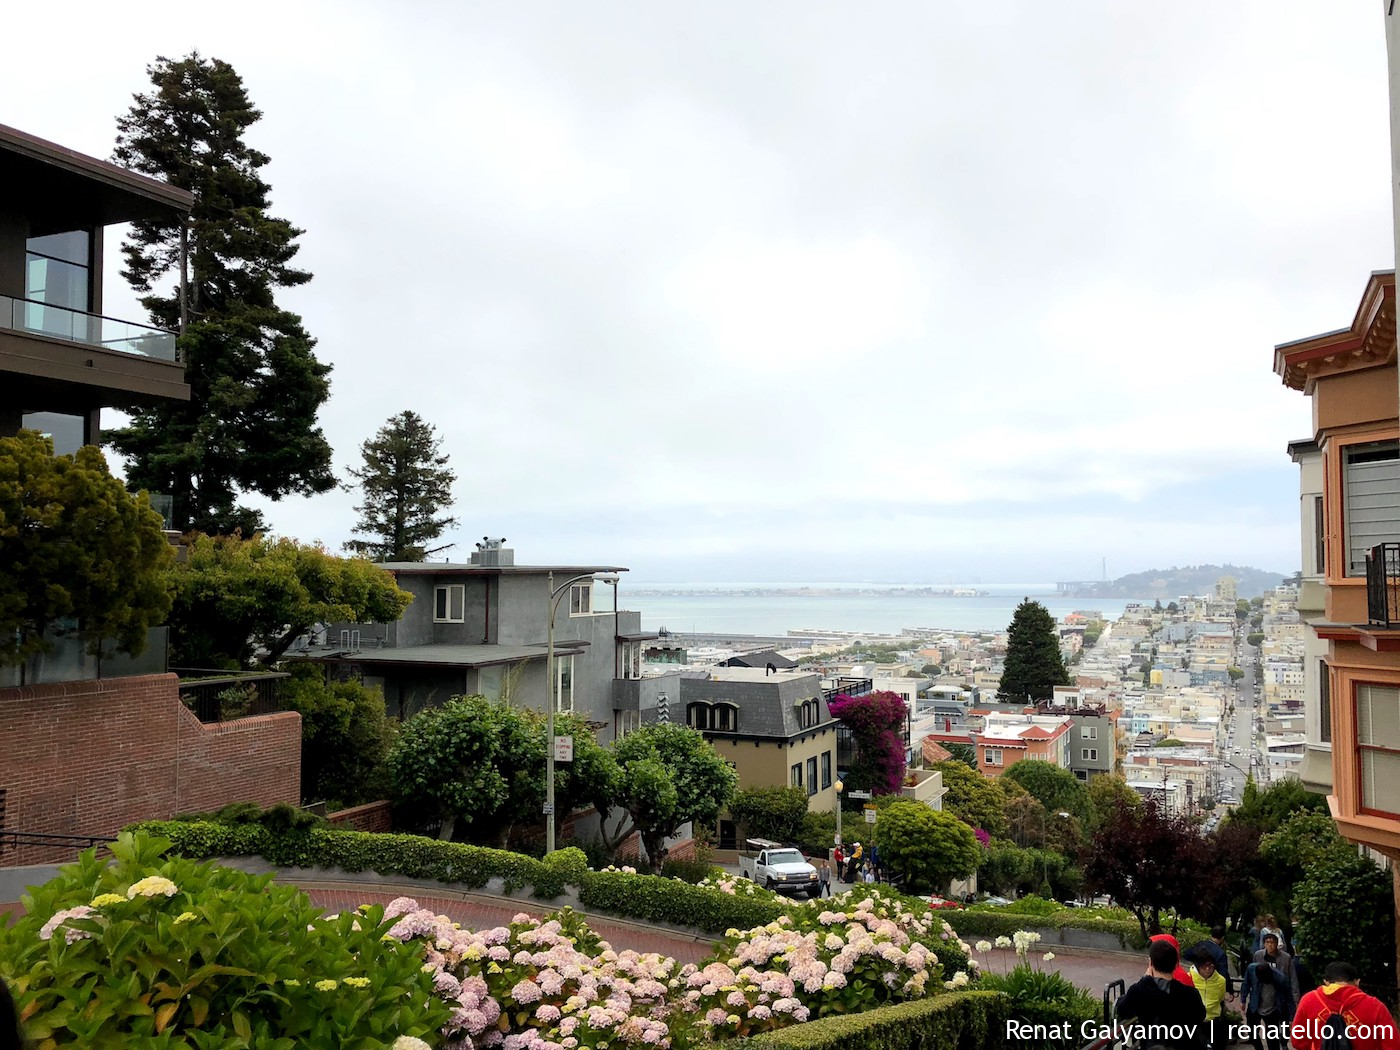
x=110 y=333
x=16 y=839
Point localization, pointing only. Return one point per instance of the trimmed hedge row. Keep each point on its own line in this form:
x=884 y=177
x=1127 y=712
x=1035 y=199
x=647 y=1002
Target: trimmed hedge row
x=974 y=923
x=954 y=1021
x=678 y=903
x=410 y=855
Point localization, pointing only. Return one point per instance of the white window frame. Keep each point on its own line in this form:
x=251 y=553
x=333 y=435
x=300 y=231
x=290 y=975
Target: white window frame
x=1088 y=754
x=442 y=598
x=564 y=674
x=581 y=598
x=1089 y=733
x=1370 y=502
x=993 y=755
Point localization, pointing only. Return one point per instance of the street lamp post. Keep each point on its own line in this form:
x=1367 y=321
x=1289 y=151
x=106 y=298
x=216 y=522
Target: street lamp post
x=838 y=785
x=550 y=698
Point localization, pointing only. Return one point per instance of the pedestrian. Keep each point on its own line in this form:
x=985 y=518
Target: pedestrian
x=1257 y=940
x=853 y=863
x=11 y=1035
x=1210 y=983
x=1281 y=961
x=868 y=876
x=1159 y=1002
x=824 y=875
x=1368 y=1023
x=1178 y=974
x=1268 y=1006
x=839 y=857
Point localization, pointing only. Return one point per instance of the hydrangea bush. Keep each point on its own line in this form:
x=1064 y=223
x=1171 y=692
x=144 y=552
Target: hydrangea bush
x=152 y=952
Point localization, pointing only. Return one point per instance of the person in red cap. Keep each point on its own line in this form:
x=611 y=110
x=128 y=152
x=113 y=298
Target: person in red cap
x=1368 y=1023
x=1180 y=973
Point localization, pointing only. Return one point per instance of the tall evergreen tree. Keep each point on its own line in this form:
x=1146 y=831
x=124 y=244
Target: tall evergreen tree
x=250 y=424
x=1034 y=665
x=407 y=485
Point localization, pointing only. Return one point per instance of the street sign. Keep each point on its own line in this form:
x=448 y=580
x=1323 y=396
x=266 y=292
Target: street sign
x=870 y=816
x=548 y=809
x=838 y=840
x=858 y=794
x=563 y=749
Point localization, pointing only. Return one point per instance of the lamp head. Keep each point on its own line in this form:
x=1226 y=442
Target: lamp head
x=607 y=577
x=839 y=787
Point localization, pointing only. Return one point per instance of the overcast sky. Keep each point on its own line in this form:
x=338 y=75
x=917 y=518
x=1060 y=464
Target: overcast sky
x=802 y=291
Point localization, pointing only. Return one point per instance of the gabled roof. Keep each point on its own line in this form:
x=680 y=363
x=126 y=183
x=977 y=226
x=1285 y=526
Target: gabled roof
x=1368 y=343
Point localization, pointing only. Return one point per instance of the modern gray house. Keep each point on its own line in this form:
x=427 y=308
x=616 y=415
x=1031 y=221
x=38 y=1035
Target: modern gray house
x=483 y=627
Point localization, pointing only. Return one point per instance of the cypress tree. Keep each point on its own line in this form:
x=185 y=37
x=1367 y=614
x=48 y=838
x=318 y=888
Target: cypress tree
x=1033 y=661
x=256 y=386
x=406 y=484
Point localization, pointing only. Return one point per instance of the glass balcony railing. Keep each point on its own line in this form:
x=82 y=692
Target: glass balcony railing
x=26 y=315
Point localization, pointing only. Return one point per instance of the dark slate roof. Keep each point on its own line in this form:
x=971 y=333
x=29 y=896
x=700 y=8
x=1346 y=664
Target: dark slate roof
x=762 y=658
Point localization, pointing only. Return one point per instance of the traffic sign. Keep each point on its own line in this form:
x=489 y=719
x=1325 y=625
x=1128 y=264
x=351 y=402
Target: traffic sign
x=858 y=794
x=548 y=809
x=563 y=749
x=870 y=816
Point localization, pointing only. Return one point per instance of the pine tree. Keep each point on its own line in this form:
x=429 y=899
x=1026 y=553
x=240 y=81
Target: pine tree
x=1034 y=665
x=407 y=485
x=256 y=386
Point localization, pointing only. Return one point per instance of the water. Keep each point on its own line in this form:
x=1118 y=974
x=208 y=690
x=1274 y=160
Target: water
x=722 y=610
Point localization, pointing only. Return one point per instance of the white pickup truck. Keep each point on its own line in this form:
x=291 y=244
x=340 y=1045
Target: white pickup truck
x=778 y=867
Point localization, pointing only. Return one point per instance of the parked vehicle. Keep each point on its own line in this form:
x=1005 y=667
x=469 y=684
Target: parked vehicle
x=780 y=868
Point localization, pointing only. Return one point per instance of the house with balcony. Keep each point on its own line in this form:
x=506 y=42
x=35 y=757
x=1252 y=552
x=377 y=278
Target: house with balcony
x=61 y=360
x=1350 y=593
x=93 y=743
x=483 y=626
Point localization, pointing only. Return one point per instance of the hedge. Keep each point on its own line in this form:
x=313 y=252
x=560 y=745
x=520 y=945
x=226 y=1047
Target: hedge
x=972 y=922
x=679 y=903
x=954 y=1021
x=410 y=855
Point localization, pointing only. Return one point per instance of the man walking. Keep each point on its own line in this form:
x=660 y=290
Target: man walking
x=1367 y=1022
x=824 y=876
x=1163 y=1011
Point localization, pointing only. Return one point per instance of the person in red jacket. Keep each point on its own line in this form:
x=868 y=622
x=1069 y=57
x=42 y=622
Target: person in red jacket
x=1369 y=1024
x=1181 y=974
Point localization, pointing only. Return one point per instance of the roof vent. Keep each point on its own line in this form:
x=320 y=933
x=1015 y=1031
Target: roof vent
x=493 y=554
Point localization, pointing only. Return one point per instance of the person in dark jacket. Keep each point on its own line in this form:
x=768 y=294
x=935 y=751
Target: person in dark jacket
x=1161 y=1011
x=11 y=1036
x=1267 y=995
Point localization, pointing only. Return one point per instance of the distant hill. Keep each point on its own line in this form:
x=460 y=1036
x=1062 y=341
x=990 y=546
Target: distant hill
x=1185 y=579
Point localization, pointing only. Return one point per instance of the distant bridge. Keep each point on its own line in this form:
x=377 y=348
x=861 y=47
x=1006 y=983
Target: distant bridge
x=1071 y=586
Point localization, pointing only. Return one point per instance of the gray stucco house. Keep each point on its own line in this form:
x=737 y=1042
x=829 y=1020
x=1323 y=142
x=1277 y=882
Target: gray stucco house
x=482 y=627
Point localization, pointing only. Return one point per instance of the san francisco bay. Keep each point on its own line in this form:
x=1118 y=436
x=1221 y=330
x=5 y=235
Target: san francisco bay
x=727 y=608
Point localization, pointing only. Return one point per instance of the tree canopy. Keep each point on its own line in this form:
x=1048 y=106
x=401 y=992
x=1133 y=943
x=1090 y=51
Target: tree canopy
x=977 y=800
x=78 y=553
x=926 y=847
x=1034 y=665
x=1267 y=808
x=1145 y=859
x=1105 y=793
x=877 y=724
x=1057 y=789
x=669 y=775
x=345 y=737
x=406 y=487
x=255 y=384
x=236 y=598
x=769 y=812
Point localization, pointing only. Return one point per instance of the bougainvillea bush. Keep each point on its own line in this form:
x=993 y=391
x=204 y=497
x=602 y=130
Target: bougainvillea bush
x=164 y=952
x=876 y=721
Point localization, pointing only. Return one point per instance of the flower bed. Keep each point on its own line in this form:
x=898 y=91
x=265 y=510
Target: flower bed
x=147 y=949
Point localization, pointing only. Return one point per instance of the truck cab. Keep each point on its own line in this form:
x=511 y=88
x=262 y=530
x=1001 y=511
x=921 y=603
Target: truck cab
x=780 y=868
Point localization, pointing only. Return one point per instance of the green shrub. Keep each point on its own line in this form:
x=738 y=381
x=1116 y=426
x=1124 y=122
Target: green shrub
x=156 y=952
x=986 y=920
x=668 y=900
x=958 y=1021
x=1044 y=997
x=1033 y=906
